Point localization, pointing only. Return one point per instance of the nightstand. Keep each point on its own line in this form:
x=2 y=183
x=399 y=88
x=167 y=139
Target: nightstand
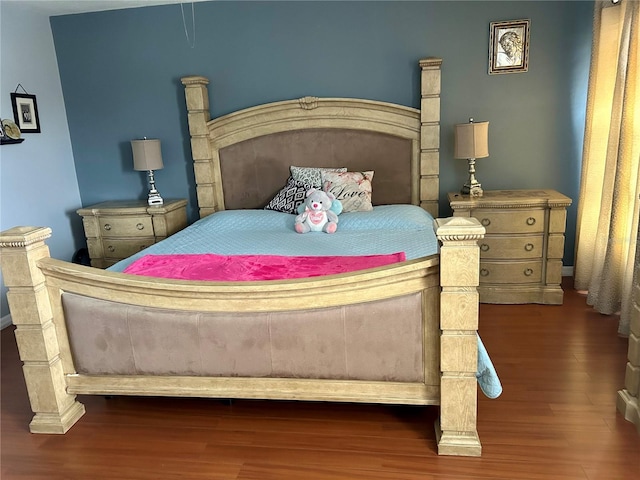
x=116 y=230
x=521 y=254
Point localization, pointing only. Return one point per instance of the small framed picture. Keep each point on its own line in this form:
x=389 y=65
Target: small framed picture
x=509 y=47
x=25 y=112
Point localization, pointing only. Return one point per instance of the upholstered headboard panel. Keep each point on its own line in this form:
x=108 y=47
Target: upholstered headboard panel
x=242 y=159
x=253 y=171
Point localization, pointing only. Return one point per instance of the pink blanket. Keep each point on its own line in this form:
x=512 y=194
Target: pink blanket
x=253 y=267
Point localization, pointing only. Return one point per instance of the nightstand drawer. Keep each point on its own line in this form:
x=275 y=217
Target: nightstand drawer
x=510 y=273
x=510 y=221
x=505 y=247
x=126 y=226
x=125 y=247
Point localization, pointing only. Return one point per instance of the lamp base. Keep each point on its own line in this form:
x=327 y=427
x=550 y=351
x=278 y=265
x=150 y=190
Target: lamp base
x=473 y=190
x=472 y=187
x=154 y=196
x=155 y=199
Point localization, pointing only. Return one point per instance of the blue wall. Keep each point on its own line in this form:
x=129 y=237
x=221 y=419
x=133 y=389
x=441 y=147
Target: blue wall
x=37 y=177
x=121 y=70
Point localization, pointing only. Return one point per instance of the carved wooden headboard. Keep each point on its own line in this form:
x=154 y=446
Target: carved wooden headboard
x=242 y=159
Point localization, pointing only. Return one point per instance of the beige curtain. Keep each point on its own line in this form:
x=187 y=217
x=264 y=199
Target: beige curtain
x=609 y=205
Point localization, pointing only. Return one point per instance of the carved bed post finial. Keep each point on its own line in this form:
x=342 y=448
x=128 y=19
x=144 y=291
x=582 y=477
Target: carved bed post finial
x=55 y=410
x=459 y=277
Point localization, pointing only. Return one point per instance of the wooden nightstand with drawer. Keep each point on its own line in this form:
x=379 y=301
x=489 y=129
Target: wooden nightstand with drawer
x=116 y=230
x=521 y=254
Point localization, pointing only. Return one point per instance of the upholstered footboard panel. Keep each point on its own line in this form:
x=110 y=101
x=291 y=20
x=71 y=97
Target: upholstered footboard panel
x=347 y=343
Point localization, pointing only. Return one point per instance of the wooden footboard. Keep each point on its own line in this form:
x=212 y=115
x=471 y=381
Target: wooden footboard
x=446 y=282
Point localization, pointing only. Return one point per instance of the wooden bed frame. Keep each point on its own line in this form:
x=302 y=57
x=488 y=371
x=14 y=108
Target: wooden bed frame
x=445 y=283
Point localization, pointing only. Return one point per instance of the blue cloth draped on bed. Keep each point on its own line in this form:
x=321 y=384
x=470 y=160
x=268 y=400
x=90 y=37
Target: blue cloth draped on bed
x=407 y=228
x=266 y=232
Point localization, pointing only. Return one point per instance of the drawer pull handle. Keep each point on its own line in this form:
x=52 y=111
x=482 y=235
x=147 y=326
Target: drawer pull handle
x=111 y=248
x=484 y=272
x=107 y=226
x=484 y=247
x=140 y=226
x=528 y=247
x=531 y=221
x=485 y=222
x=528 y=272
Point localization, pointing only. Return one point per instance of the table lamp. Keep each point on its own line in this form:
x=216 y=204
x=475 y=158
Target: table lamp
x=148 y=157
x=471 y=142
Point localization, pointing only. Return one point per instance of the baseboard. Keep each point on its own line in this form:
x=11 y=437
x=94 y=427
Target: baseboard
x=567 y=271
x=5 y=321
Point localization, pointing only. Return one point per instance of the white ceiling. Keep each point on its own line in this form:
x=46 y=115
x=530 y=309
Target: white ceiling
x=65 y=7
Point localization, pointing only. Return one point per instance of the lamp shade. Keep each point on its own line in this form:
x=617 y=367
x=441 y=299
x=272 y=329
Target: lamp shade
x=471 y=140
x=146 y=154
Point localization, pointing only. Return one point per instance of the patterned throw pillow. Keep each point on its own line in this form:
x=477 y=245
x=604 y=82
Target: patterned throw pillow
x=311 y=175
x=353 y=189
x=289 y=198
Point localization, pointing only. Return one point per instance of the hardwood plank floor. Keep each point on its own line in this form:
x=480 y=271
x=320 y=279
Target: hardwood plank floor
x=560 y=366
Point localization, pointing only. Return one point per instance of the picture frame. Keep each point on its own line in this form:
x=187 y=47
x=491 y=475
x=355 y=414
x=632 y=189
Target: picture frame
x=25 y=112
x=509 y=46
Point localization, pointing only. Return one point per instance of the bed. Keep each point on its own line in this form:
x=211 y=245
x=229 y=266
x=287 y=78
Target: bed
x=400 y=332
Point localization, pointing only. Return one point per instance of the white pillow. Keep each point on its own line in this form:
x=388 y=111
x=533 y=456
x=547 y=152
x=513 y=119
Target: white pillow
x=353 y=189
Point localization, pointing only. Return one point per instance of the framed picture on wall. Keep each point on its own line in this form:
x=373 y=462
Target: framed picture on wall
x=509 y=47
x=25 y=112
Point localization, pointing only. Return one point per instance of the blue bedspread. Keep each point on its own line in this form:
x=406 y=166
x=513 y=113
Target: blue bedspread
x=408 y=229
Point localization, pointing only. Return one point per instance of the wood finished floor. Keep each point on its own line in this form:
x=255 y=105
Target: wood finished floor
x=561 y=367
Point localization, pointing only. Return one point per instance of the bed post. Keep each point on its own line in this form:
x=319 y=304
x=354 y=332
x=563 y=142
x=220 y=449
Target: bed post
x=55 y=410
x=429 y=187
x=628 y=401
x=206 y=168
x=459 y=273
